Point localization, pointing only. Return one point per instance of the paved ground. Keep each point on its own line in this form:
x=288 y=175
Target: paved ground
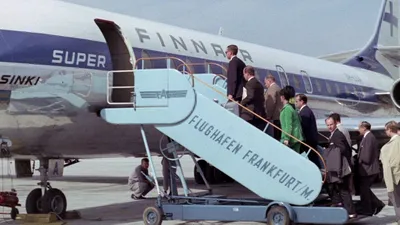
x=97 y=188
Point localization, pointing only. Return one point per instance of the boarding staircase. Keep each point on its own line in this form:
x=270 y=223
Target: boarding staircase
x=189 y=108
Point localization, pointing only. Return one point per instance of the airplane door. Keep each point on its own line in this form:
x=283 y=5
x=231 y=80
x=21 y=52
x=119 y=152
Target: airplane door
x=122 y=58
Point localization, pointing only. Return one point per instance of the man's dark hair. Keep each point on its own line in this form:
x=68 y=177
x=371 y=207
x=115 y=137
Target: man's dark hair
x=366 y=125
x=250 y=70
x=233 y=48
x=287 y=92
x=335 y=117
x=145 y=160
x=302 y=97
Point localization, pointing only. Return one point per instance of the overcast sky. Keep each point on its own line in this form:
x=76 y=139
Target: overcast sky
x=310 y=27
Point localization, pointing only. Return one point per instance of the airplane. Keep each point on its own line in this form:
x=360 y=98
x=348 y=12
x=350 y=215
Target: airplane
x=54 y=63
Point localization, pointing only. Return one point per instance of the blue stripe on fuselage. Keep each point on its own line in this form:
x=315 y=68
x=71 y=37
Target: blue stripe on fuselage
x=45 y=49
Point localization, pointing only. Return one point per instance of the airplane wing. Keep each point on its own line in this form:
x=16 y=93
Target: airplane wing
x=339 y=57
x=391 y=53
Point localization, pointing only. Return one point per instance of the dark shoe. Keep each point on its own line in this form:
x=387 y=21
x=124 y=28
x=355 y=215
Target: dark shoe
x=364 y=213
x=137 y=197
x=379 y=209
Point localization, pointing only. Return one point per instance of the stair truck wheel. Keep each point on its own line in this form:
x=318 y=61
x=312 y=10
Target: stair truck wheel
x=197 y=177
x=278 y=215
x=153 y=216
x=33 y=203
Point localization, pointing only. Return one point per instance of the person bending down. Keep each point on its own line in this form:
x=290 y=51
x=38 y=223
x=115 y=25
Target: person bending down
x=138 y=183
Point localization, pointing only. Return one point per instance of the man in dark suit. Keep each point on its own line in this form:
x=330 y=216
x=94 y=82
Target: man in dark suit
x=234 y=74
x=309 y=127
x=343 y=193
x=368 y=170
x=254 y=99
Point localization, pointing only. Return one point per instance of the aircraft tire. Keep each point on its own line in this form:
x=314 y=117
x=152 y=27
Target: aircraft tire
x=54 y=201
x=33 y=201
x=209 y=174
x=219 y=176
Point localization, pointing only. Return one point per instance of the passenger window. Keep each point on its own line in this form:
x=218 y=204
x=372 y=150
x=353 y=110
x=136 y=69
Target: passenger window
x=347 y=90
x=361 y=92
x=337 y=88
x=307 y=81
x=282 y=76
x=145 y=61
x=328 y=88
x=319 y=86
x=257 y=75
x=296 y=81
x=191 y=68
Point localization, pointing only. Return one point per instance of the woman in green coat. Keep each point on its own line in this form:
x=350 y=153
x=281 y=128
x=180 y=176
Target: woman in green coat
x=290 y=121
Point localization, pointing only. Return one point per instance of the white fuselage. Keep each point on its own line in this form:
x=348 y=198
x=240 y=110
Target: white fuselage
x=54 y=61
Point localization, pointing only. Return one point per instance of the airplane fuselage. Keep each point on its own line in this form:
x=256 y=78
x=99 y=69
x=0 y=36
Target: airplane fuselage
x=53 y=77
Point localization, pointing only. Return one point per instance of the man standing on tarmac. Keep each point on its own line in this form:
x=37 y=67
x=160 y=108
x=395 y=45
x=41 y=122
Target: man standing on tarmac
x=235 y=74
x=138 y=183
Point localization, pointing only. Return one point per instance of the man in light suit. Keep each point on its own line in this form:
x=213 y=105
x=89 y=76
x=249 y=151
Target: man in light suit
x=254 y=99
x=368 y=170
x=309 y=127
x=234 y=74
x=273 y=106
x=390 y=158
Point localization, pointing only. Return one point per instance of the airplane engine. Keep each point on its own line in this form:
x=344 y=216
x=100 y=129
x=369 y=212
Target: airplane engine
x=395 y=93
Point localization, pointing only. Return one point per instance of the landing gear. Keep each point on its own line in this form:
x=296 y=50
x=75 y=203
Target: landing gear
x=46 y=199
x=212 y=174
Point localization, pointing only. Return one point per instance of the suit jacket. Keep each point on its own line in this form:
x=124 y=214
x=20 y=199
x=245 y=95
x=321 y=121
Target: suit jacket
x=309 y=126
x=340 y=141
x=290 y=123
x=235 y=78
x=390 y=157
x=368 y=156
x=273 y=104
x=337 y=165
x=254 y=100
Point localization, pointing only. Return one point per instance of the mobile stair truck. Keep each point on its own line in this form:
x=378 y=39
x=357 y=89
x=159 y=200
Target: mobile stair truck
x=184 y=107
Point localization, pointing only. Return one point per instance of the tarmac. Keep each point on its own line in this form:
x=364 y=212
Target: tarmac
x=98 y=190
